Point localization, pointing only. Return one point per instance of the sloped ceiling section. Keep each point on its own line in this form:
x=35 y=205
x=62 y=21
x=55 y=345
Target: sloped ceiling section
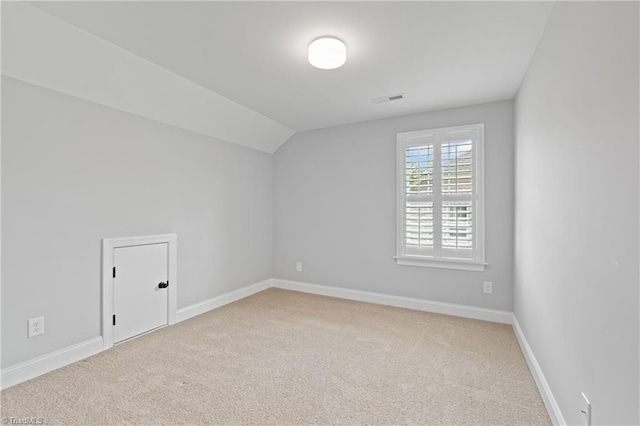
x=46 y=51
x=439 y=54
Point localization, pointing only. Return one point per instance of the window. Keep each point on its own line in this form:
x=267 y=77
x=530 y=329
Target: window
x=440 y=198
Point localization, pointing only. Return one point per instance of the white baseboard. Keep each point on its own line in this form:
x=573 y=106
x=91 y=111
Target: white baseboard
x=543 y=386
x=52 y=361
x=492 y=315
x=218 y=301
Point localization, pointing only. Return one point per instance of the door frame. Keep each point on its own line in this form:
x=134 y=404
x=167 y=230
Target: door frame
x=108 y=246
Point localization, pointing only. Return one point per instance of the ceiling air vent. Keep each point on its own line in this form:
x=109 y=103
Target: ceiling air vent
x=388 y=98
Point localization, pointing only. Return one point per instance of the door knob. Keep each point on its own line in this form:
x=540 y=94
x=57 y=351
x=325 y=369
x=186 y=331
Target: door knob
x=163 y=285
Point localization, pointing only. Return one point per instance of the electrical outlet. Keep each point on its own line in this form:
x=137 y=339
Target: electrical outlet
x=36 y=326
x=586 y=410
x=487 y=287
x=299 y=266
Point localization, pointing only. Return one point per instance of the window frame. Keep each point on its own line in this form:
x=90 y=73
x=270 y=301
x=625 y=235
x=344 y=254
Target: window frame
x=438 y=137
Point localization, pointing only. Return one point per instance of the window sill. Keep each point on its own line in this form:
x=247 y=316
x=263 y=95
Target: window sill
x=461 y=265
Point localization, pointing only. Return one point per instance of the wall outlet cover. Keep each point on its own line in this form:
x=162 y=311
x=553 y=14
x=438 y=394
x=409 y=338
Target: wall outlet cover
x=35 y=327
x=487 y=287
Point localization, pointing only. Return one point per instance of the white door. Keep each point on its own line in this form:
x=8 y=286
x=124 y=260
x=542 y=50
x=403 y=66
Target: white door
x=139 y=289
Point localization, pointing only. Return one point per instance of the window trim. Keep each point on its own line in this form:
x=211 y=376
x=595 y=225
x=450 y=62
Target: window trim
x=440 y=136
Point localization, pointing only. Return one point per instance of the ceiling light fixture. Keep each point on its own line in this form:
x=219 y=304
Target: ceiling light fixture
x=327 y=53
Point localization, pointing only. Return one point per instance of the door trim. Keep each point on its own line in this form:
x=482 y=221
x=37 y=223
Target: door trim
x=108 y=246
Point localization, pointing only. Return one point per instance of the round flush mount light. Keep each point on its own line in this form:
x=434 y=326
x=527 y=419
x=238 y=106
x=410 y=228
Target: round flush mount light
x=327 y=53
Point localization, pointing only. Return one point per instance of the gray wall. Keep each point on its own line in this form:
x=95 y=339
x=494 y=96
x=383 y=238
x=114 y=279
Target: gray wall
x=335 y=209
x=576 y=262
x=74 y=172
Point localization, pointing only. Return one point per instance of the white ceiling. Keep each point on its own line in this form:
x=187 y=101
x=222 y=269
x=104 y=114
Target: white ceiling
x=439 y=54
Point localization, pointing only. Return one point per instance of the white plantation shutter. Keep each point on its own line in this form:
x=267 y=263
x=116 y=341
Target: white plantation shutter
x=419 y=193
x=440 y=200
x=457 y=225
x=457 y=198
x=419 y=225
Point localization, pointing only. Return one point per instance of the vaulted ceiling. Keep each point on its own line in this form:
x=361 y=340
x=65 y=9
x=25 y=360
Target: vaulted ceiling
x=438 y=54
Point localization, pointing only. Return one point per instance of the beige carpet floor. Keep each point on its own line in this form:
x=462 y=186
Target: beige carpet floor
x=282 y=357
